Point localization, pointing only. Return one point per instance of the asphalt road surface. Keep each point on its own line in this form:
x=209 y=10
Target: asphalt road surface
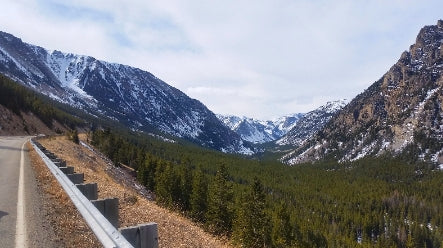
x=22 y=218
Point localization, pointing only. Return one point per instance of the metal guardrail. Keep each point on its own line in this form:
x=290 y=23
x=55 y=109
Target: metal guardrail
x=106 y=233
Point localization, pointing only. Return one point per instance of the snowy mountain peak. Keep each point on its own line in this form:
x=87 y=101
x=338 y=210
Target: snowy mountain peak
x=311 y=123
x=286 y=122
x=333 y=106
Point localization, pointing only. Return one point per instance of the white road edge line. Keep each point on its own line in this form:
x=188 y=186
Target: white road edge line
x=20 y=227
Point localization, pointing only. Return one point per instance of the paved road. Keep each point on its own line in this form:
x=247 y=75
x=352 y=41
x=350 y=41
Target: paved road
x=22 y=220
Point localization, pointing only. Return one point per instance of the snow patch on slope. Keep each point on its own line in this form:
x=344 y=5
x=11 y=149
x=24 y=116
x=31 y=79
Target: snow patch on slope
x=68 y=69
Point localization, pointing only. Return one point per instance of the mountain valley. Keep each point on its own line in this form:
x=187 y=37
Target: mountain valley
x=360 y=173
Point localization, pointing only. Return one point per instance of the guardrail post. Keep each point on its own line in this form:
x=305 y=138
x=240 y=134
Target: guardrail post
x=109 y=208
x=76 y=178
x=50 y=155
x=89 y=190
x=59 y=162
x=142 y=236
x=67 y=170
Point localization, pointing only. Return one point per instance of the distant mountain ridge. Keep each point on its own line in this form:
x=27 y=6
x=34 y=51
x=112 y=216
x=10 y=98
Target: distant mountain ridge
x=259 y=131
x=310 y=123
x=290 y=130
x=120 y=92
x=401 y=113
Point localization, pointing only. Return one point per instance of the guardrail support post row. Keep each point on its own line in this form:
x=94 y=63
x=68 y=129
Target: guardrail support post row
x=108 y=235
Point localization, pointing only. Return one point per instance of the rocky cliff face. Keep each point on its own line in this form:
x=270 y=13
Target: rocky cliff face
x=127 y=94
x=401 y=113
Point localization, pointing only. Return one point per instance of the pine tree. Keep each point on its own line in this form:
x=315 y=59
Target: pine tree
x=146 y=172
x=281 y=228
x=163 y=182
x=185 y=186
x=198 y=197
x=219 y=214
x=150 y=166
x=142 y=174
x=252 y=224
x=410 y=241
x=73 y=136
x=140 y=159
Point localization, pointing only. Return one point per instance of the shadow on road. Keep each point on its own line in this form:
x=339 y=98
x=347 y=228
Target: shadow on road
x=10 y=148
x=3 y=214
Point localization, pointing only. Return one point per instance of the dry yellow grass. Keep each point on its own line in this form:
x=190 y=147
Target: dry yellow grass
x=174 y=229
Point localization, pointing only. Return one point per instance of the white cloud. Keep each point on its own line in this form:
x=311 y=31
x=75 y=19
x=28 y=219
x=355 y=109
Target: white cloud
x=256 y=58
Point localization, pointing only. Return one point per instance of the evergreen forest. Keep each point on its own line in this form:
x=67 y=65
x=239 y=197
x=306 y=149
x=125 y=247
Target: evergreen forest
x=372 y=202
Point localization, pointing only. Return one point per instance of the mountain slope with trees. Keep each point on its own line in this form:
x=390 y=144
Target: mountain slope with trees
x=133 y=97
x=26 y=112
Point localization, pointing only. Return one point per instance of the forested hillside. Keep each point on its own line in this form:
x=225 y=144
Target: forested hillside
x=375 y=202
x=22 y=101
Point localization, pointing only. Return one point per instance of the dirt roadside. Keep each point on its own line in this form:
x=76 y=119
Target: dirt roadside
x=134 y=206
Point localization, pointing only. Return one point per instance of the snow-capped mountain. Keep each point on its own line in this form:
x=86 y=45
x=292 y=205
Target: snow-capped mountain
x=285 y=123
x=310 y=123
x=401 y=113
x=124 y=93
x=258 y=131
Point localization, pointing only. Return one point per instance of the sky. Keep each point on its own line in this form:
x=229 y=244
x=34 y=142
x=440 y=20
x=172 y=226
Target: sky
x=255 y=58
